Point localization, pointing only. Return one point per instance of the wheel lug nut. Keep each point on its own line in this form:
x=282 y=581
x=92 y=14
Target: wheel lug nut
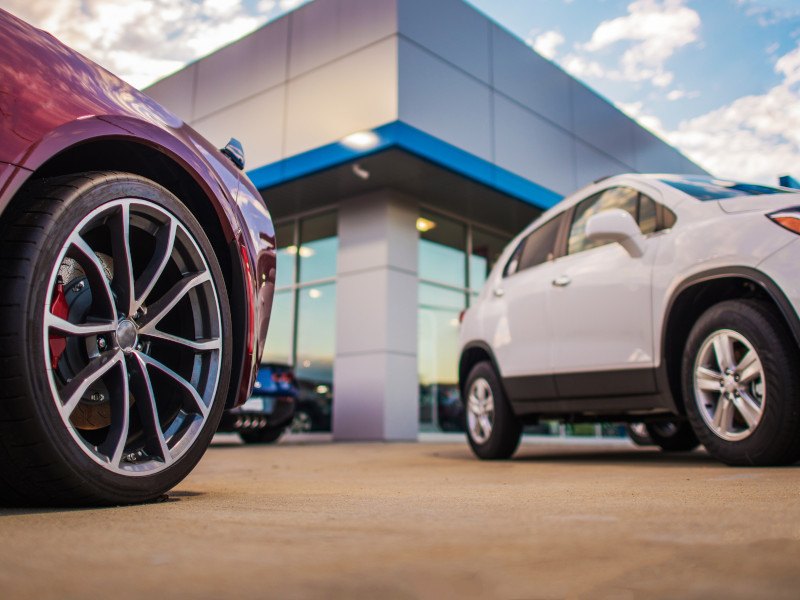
x=139 y=347
x=101 y=343
x=78 y=286
x=97 y=397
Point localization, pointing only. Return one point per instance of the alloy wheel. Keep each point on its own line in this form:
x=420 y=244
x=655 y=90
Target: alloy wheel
x=729 y=384
x=132 y=337
x=480 y=410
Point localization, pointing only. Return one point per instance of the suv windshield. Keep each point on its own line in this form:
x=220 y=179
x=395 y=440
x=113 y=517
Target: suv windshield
x=705 y=188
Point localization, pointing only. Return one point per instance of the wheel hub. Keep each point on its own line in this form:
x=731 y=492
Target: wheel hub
x=127 y=335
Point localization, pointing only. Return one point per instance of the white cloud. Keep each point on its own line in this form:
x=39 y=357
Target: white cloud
x=754 y=137
x=635 y=110
x=654 y=30
x=144 y=40
x=547 y=43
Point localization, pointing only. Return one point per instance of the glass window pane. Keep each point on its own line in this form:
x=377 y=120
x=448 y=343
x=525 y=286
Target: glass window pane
x=647 y=214
x=287 y=255
x=540 y=245
x=318 y=247
x=437 y=348
x=486 y=249
x=278 y=347
x=316 y=318
x=618 y=197
x=442 y=251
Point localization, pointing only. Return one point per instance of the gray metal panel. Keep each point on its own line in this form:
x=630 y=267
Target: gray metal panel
x=450 y=28
x=176 y=92
x=251 y=65
x=603 y=125
x=256 y=122
x=652 y=154
x=592 y=164
x=354 y=93
x=443 y=101
x=532 y=147
x=530 y=79
x=325 y=30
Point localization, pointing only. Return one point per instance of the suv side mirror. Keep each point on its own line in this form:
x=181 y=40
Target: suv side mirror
x=616 y=225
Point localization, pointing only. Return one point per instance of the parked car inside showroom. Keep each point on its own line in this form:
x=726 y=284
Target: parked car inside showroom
x=269 y=411
x=137 y=269
x=660 y=299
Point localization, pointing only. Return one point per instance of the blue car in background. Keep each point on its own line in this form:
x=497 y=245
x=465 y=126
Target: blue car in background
x=269 y=411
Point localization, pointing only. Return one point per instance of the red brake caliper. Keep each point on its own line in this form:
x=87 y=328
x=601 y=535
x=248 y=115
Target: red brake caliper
x=60 y=309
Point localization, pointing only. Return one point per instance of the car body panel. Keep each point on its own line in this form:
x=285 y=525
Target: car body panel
x=54 y=100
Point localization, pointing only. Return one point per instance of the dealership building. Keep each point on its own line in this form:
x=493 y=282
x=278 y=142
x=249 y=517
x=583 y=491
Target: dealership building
x=399 y=144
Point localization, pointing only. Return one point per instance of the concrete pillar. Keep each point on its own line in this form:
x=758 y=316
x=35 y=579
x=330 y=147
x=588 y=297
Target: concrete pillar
x=375 y=371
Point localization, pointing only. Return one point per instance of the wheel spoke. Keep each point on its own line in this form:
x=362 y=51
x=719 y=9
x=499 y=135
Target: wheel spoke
x=486 y=425
x=708 y=380
x=723 y=350
x=165 y=242
x=183 y=383
x=95 y=273
x=749 y=367
x=84 y=329
x=159 y=309
x=205 y=345
x=114 y=446
x=72 y=393
x=123 y=264
x=748 y=408
x=142 y=388
x=723 y=415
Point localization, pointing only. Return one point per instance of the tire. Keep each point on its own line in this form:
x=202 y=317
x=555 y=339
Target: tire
x=493 y=431
x=638 y=434
x=745 y=406
x=103 y=401
x=262 y=436
x=302 y=422
x=672 y=436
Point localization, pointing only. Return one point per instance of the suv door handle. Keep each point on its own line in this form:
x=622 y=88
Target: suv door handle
x=562 y=281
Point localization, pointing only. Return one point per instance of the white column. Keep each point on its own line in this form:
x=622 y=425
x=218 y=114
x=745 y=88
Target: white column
x=375 y=371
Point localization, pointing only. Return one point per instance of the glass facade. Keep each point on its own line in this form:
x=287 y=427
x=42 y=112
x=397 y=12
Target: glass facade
x=303 y=324
x=455 y=258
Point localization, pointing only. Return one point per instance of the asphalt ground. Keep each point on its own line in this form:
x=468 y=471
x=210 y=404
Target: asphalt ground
x=314 y=519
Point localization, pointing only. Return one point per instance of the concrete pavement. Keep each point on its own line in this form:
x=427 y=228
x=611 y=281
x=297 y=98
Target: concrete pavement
x=320 y=520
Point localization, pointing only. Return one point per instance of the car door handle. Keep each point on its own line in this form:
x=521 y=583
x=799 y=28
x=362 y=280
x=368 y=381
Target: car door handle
x=562 y=281
x=499 y=292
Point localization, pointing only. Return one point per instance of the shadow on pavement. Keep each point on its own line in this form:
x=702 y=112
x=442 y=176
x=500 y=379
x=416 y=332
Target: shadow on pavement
x=172 y=496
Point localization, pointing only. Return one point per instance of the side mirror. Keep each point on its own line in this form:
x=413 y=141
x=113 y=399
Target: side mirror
x=616 y=225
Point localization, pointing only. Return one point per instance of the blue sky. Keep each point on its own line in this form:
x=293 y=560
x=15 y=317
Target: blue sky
x=720 y=79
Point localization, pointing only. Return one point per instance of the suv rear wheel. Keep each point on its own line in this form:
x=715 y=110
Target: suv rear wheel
x=493 y=431
x=741 y=385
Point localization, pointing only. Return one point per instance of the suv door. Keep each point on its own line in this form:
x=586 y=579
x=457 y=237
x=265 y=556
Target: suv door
x=600 y=304
x=517 y=312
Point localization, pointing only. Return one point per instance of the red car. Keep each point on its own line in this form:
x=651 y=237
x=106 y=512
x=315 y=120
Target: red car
x=137 y=267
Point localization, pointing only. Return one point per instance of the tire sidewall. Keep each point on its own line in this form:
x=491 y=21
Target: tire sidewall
x=107 y=484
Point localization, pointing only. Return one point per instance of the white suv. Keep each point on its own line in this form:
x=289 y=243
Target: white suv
x=665 y=299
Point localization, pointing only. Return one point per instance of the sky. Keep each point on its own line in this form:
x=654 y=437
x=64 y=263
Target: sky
x=719 y=79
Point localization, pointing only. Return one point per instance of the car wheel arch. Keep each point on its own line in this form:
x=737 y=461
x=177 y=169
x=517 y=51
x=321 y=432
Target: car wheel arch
x=698 y=293
x=472 y=354
x=128 y=154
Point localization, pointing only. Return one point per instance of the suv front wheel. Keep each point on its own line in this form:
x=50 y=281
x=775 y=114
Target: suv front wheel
x=741 y=385
x=493 y=430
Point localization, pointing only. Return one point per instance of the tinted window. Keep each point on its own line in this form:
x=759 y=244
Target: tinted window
x=619 y=197
x=537 y=248
x=648 y=219
x=704 y=188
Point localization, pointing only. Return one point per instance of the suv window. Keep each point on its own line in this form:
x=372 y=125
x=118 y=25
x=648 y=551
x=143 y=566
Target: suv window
x=641 y=207
x=536 y=248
